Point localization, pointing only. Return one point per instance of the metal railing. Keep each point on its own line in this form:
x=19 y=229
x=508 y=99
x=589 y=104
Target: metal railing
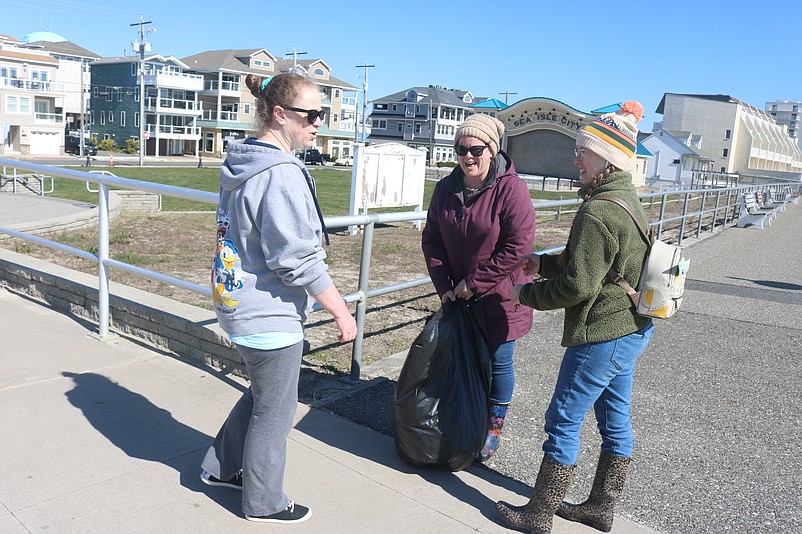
x=695 y=208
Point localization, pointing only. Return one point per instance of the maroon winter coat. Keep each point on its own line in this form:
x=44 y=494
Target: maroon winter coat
x=483 y=240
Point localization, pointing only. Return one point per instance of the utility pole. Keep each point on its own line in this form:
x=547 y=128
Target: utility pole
x=365 y=100
x=142 y=125
x=431 y=134
x=294 y=55
x=507 y=96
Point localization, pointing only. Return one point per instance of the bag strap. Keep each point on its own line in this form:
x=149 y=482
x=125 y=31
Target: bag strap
x=616 y=278
x=616 y=200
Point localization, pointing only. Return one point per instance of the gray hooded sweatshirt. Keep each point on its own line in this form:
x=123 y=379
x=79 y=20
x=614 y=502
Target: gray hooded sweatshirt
x=268 y=264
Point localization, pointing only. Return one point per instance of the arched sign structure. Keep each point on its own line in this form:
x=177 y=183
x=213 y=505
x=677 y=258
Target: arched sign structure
x=540 y=136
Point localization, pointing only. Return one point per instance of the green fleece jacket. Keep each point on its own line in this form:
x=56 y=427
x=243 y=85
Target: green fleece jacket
x=602 y=236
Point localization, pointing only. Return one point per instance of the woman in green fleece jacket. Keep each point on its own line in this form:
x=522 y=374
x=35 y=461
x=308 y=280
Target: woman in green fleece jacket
x=602 y=334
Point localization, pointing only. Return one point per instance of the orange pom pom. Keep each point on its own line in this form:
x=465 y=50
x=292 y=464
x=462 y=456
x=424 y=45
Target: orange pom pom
x=633 y=107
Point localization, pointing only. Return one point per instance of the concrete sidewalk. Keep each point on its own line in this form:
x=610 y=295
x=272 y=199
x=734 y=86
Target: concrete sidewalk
x=108 y=436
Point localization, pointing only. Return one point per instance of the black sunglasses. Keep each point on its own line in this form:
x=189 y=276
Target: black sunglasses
x=475 y=150
x=311 y=114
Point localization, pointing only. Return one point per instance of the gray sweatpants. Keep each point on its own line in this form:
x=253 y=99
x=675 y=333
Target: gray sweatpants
x=254 y=437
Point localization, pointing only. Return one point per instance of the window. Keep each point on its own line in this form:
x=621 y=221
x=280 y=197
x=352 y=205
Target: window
x=109 y=94
x=725 y=153
x=257 y=62
x=91 y=117
x=136 y=94
x=336 y=93
x=111 y=116
x=95 y=91
x=136 y=119
x=106 y=137
x=418 y=128
x=119 y=94
x=209 y=143
x=318 y=72
x=334 y=118
x=400 y=127
x=102 y=118
x=381 y=107
x=246 y=108
x=675 y=162
x=18 y=104
x=727 y=134
x=395 y=107
x=379 y=124
x=122 y=118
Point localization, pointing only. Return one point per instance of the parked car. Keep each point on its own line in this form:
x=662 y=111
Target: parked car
x=313 y=156
x=72 y=145
x=345 y=160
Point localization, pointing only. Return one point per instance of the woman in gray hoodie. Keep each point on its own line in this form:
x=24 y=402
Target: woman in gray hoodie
x=268 y=271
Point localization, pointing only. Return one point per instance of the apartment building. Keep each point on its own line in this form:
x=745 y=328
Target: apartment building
x=787 y=113
x=422 y=117
x=228 y=107
x=74 y=68
x=31 y=101
x=739 y=138
x=172 y=105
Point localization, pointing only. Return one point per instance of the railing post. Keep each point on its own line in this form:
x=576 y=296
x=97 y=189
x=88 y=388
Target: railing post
x=362 y=303
x=715 y=211
x=103 y=255
x=701 y=215
x=662 y=216
x=559 y=209
x=684 y=218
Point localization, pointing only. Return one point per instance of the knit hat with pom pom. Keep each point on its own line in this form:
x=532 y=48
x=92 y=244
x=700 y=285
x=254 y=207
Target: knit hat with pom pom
x=614 y=136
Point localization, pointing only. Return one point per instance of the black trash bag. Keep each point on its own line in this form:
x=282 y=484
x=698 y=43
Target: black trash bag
x=441 y=397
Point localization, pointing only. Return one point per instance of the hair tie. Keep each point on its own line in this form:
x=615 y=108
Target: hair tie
x=264 y=84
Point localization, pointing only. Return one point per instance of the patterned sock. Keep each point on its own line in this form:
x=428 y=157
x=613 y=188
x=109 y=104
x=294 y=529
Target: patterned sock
x=497 y=414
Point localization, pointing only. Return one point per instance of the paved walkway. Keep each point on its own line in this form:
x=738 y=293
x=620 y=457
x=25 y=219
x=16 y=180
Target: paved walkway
x=107 y=437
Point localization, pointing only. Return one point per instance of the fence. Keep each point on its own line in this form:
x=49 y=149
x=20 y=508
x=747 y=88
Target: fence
x=694 y=214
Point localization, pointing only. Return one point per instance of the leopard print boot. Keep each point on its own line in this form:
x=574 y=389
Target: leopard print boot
x=536 y=516
x=608 y=485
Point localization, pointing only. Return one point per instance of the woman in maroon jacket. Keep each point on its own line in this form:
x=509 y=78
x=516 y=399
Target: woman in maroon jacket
x=480 y=223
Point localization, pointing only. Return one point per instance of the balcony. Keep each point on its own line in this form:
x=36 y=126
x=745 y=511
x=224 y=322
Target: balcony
x=32 y=85
x=175 y=80
x=167 y=131
x=49 y=117
x=213 y=115
x=173 y=106
x=225 y=88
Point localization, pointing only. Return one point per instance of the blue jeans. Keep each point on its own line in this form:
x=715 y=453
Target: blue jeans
x=502 y=372
x=597 y=375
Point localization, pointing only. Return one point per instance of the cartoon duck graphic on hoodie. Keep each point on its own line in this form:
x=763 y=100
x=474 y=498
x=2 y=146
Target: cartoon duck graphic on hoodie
x=224 y=274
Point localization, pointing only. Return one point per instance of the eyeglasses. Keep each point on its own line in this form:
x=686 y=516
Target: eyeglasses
x=579 y=153
x=311 y=114
x=475 y=150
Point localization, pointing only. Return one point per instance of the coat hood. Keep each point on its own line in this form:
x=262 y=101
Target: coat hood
x=244 y=161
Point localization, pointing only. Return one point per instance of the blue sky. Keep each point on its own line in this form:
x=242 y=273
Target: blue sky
x=587 y=54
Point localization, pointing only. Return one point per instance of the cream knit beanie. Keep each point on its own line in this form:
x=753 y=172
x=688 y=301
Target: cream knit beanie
x=484 y=127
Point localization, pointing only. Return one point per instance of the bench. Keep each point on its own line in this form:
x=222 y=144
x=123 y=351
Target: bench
x=770 y=202
x=750 y=212
x=790 y=196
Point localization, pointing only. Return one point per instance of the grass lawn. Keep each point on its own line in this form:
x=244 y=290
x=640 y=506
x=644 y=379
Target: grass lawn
x=333 y=187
